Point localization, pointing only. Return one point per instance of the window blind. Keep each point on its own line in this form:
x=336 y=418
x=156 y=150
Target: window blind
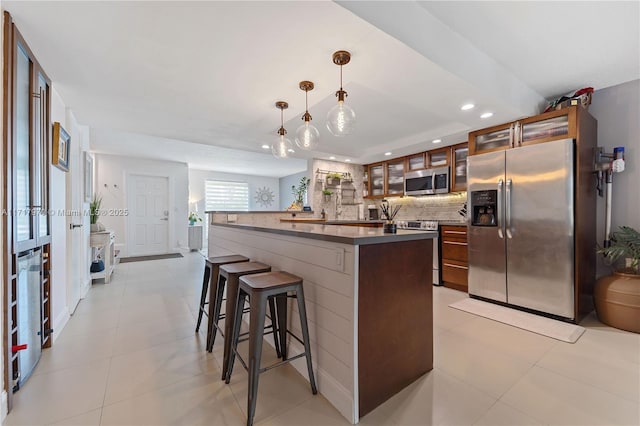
x=226 y=196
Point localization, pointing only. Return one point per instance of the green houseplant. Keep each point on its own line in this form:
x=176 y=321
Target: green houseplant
x=94 y=211
x=327 y=193
x=617 y=296
x=193 y=218
x=333 y=178
x=298 y=193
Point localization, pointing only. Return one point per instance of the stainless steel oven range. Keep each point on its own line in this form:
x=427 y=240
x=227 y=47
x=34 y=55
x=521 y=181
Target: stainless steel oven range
x=426 y=225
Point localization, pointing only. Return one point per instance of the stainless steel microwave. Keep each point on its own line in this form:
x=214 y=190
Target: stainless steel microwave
x=427 y=182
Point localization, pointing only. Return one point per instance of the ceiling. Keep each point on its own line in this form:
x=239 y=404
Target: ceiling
x=197 y=81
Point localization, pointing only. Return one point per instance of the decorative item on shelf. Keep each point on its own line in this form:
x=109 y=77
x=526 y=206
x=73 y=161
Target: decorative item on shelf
x=282 y=147
x=389 y=212
x=97 y=266
x=94 y=213
x=333 y=178
x=617 y=296
x=341 y=118
x=327 y=195
x=193 y=218
x=307 y=135
x=298 y=193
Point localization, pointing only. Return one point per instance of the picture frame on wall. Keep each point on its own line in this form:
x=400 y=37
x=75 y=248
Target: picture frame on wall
x=61 y=145
x=88 y=177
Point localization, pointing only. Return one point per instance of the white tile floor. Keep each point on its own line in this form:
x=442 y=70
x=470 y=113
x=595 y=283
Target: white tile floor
x=129 y=356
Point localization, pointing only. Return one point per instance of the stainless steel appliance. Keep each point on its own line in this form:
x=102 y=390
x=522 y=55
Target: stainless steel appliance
x=426 y=182
x=432 y=226
x=521 y=227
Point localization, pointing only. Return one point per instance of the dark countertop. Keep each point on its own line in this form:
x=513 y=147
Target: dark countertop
x=261 y=211
x=353 y=235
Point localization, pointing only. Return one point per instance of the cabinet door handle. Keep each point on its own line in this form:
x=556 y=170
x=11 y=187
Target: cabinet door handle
x=454 y=243
x=454 y=266
x=456 y=232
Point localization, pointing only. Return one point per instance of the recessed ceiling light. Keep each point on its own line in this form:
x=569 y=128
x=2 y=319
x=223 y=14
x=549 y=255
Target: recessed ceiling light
x=290 y=150
x=436 y=141
x=332 y=158
x=387 y=153
x=467 y=107
x=348 y=160
x=265 y=146
x=486 y=115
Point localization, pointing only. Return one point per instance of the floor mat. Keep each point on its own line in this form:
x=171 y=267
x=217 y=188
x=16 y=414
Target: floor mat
x=154 y=257
x=537 y=324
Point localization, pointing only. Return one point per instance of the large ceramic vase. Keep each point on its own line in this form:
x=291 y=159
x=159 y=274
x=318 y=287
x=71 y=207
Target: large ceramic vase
x=617 y=300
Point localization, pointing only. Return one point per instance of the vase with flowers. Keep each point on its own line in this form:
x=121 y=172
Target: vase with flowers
x=389 y=213
x=193 y=218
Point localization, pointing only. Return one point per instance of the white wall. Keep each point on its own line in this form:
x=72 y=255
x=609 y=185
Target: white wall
x=59 y=309
x=196 y=188
x=617 y=110
x=285 y=184
x=111 y=172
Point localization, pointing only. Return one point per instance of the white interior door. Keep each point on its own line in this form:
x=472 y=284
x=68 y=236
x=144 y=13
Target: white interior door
x=148 y=215
x=75 y=232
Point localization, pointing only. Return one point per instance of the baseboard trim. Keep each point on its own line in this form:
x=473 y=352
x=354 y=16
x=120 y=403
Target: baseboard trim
x=59 y=323
x=4 y=408
x=85 y=288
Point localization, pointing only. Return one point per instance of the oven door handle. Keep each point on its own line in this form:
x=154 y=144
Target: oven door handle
x=500 y=209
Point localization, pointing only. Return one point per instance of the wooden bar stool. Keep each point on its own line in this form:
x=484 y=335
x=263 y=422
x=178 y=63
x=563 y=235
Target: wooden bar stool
x=230 y=275
x=261 y=288
x=209 y=281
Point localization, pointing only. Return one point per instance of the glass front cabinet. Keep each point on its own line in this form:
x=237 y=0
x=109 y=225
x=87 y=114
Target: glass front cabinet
x=376 y=180
x=459 y=154
x=546 y=127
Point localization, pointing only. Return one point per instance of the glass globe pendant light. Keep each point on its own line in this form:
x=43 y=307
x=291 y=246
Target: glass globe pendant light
x=282 y=147
x=341 y=118
x=307 y=136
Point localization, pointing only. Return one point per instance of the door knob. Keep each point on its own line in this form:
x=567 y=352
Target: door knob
x=73 y=226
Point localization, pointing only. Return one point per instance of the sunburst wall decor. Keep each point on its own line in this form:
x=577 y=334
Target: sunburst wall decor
x=264 y=196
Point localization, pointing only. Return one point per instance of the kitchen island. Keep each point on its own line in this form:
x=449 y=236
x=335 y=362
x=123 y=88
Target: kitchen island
x=369 y=302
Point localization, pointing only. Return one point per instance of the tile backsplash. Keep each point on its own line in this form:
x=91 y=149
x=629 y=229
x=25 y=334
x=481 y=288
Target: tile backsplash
x=441 y=207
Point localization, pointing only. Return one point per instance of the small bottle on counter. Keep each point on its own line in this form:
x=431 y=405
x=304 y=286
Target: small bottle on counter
x=323 y=214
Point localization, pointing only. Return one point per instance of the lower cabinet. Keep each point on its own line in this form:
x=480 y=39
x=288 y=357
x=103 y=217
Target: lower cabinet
x=455 y=266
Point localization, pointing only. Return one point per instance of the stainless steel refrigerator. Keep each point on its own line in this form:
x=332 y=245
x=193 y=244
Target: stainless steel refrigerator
x=521 y=227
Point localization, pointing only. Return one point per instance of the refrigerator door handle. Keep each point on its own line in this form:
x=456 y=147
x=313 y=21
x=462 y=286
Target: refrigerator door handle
x=508 y=208
x=500 y=209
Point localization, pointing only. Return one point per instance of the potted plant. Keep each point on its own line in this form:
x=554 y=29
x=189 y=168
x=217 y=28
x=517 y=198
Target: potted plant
x=333 y=178
x=94 y=212
x=193 y=218
x=617 y=296
x=327 y=193
x=298 y=193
